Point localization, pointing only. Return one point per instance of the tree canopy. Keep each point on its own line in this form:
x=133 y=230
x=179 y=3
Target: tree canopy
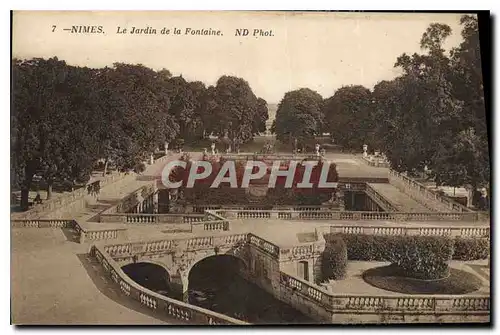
x=65 y=118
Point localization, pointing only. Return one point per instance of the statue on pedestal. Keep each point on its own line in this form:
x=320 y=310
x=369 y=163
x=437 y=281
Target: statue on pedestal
x=213 y=148
x=166 y=148
x=365 y=150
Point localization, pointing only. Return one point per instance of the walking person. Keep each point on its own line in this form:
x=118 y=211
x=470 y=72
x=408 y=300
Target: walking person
x=98 y=188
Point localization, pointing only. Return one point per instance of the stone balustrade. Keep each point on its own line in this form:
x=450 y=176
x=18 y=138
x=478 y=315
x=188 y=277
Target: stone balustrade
x=126 y=250
x=269 y=157
x=133 y=218
x=354 y=215
x=65 y=199
x=331 y=303
x=376 y=161
x=220 y=209
x=129 y=201
x=215 y=225
x=380 y=199
x=424 y=195
x=43 y=223
x=83 y=233
x=163 y=305
x=264 y=245
x=451 y=231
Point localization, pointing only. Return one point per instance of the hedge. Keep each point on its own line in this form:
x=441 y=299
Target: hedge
x=423 y=257
x=334 y=259
x=468 y=249
x=377 y=247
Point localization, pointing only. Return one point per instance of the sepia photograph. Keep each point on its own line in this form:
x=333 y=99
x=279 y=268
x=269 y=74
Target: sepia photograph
x=250 y=168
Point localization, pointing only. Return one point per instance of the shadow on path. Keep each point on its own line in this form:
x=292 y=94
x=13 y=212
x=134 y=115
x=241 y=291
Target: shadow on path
x=71 y=235
x=107 y=287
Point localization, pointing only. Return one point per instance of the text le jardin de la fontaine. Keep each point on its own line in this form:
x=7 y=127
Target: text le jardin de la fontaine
x=192 y=31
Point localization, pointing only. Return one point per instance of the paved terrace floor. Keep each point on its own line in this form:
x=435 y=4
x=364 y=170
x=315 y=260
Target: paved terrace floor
x=352 y=166
x=399 y=199
x=53 y=282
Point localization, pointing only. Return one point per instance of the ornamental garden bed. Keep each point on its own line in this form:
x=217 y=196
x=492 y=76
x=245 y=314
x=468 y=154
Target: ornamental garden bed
x=392 y=278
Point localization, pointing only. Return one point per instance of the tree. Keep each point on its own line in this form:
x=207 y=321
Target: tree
x=298 y=116
x=419 y=106
x=259 y=122
x=348 y=116
x=39 y=101
x=133 y=106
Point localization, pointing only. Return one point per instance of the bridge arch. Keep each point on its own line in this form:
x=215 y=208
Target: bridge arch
x=152 y=275
x=209 y=268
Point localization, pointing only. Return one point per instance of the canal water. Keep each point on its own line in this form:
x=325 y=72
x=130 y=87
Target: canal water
x=216 y=285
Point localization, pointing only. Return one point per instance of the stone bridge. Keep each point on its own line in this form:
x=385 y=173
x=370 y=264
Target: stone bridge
x=261 y=257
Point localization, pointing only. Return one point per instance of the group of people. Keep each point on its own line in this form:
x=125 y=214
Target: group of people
x=94 y=189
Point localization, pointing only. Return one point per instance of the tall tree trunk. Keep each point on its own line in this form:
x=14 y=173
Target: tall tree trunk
x=25 y=192
x=25 y=189
x=50 y=182
x=105 y=168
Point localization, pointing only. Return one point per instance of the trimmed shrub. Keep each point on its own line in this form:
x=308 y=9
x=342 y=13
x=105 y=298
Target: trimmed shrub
x=334 y=259
x=468 y=249
x=423 y=257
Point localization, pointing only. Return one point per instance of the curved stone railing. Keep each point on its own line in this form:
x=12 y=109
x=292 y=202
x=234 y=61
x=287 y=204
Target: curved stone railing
x=423 y=195
x=451 y=231
x=161 y=304
x=331 y=303
x=380 y=199
x=354 y=215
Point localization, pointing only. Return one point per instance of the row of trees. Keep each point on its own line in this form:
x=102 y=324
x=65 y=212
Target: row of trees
x=432 y=115
x=65 y=118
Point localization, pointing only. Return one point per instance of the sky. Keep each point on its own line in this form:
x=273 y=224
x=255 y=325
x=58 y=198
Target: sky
x=320 y=51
